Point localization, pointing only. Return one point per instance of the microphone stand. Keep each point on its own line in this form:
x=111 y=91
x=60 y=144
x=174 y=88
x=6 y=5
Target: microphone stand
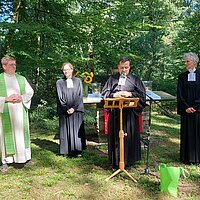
x=146 y=141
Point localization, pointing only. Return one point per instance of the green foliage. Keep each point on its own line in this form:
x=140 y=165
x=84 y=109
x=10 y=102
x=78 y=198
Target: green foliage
x=168 y=86
x=44 y=34
x=89 y=117
x=189 y=33
x=44 y=117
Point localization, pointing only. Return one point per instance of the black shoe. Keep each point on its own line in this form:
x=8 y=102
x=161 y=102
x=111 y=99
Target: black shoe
x=71 y=154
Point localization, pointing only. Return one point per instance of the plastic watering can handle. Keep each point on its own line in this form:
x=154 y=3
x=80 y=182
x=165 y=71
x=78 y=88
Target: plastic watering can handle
x=184 y=172
x=161 y=165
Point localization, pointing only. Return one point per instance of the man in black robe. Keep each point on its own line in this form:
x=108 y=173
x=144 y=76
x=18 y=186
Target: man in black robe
x=188 y=106
x=70 y=109
x=124 y=84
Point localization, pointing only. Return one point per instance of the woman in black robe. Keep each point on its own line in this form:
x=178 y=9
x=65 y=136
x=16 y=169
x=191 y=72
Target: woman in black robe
x=188 y=106
x=127 y=85
x=70 y=109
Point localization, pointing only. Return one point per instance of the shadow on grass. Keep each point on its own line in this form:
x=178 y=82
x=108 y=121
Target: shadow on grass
x=165 y=119
x=169 y=132
x=164 y=150
x=164 y=139
x=47 y=145
x=92 y=156
x=94 y=164
x=96 y=158
x=150 y=187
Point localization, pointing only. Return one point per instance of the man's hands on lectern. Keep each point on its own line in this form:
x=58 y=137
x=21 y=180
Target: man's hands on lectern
x=121 y=94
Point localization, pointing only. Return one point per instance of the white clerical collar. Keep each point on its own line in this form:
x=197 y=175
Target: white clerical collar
x=122 y=79
x=69 y=83
x=192 y=75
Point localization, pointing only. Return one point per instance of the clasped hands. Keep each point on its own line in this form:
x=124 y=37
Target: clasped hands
x=70 y=111
x=14 y=98
x=190 y=110
x=122 y=94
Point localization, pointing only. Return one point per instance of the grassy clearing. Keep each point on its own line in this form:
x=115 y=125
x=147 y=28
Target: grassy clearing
x=55 y=177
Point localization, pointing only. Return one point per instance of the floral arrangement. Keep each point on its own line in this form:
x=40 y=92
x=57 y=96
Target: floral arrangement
x=87 y=77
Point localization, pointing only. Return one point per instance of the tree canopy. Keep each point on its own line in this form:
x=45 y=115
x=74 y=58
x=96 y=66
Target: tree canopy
x=42 y=34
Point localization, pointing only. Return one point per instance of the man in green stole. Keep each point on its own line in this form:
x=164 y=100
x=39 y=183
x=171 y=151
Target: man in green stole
x=15 y=100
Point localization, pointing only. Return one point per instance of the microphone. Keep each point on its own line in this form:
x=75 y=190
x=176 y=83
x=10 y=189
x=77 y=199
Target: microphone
x=139 y=90
x=123 y=75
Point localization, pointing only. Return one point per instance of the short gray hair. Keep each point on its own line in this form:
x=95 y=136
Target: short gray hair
x=5 y=59
x=192 y=55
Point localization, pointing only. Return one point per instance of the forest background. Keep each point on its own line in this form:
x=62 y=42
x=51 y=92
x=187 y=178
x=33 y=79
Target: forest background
x=93 y=34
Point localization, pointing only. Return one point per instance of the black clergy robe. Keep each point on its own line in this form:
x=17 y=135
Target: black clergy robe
x=188 y=95
x=71 y=126
x=132 y=145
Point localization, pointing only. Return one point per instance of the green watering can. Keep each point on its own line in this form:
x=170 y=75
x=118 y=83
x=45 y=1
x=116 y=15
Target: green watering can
x=169 y=177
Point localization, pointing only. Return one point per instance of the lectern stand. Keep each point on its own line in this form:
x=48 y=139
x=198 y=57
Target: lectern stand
x=121 y=103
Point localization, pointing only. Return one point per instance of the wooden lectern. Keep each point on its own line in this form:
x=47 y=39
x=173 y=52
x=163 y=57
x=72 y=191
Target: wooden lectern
x=121 y=103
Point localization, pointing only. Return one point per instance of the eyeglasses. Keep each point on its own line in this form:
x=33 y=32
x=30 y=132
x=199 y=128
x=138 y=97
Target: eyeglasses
x=65 y=70
x=11 y=65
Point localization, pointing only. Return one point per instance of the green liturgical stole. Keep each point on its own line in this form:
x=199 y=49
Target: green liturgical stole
x=6 y=123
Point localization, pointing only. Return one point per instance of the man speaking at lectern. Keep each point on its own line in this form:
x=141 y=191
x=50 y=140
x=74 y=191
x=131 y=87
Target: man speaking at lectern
x=124 y=84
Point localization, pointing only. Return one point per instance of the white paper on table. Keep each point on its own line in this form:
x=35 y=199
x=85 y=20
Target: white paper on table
x=152 y=95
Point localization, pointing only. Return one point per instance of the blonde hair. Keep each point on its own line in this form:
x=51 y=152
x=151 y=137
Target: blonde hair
x=67 y=63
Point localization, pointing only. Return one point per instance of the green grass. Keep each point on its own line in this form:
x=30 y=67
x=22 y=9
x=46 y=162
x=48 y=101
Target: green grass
x=55 y=177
